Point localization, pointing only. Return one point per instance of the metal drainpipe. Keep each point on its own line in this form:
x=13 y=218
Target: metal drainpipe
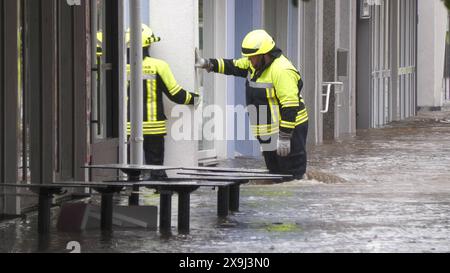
x=136 y=107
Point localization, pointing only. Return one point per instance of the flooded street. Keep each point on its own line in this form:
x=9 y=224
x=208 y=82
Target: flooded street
x=386 y=190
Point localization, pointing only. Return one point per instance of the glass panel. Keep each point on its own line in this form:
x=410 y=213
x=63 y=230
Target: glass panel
x=145 y=13
x=293 y=32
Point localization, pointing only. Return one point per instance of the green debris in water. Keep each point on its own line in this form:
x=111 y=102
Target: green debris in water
x=151 y=195
x=151 y=199
x=265 y=193
x=279 y=227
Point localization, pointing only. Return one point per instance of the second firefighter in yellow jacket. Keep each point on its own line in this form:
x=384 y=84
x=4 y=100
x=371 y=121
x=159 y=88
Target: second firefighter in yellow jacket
x=273 y=88
x=158 y=80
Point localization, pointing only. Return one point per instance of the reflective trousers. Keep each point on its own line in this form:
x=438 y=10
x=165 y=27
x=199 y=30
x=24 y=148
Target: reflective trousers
x=154 y=154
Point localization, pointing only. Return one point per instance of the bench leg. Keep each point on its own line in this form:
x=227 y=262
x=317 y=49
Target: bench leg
x=165 y=215
x=133 y=200
x=184 y=199
x=223 y=201
x=234 y=197
x=44 y=214
x=107 y=211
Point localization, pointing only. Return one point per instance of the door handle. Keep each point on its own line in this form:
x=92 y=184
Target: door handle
x=328 y=94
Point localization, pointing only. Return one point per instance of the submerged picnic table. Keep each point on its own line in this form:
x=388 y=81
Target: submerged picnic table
x=227 y=180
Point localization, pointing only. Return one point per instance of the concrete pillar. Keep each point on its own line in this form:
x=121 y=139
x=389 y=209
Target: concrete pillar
x=346 y=16
x=329 y=65
x=311 y=63
x=176 y=23
x=431 y=52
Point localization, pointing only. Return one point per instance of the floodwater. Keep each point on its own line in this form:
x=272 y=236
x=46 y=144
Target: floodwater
x=385 y=190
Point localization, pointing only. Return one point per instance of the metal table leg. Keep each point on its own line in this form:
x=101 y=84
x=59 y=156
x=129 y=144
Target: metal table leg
x=165 y=215
x=44 y=213
x=184 y=198
x=223 y=201
x=234 y=197
x=107 y=211
x=133 y=200
x=107 y=206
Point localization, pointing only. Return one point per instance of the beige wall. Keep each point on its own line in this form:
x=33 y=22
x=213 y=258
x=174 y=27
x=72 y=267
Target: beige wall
x=174 y=21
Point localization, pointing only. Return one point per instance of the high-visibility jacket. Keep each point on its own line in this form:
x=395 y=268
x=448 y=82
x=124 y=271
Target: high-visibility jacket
x=158 y=79
x=276 y=88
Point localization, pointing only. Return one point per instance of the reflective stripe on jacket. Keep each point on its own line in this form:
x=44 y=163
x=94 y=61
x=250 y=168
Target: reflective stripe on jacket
x=275 y=91
x=158 y=79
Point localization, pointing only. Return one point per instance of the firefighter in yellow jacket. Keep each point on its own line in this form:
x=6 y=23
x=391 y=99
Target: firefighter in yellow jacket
x=273 y=87
x=158 y=80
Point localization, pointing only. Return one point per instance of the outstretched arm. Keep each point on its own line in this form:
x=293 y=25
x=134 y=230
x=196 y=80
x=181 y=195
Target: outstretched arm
x=237 y=68
x=172 y=89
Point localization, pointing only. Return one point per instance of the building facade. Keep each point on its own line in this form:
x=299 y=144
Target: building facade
x=63 y=106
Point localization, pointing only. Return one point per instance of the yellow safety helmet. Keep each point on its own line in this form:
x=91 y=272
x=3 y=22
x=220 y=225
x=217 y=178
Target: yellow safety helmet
x=257 y=42
x=148 y=37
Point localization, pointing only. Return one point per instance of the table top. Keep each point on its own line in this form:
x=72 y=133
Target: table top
x=236 y=174
x=244 y=174
x=130 y=167
x=80 y=184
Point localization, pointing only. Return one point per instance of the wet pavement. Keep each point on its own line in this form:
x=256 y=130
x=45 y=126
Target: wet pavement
x=385 y=190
